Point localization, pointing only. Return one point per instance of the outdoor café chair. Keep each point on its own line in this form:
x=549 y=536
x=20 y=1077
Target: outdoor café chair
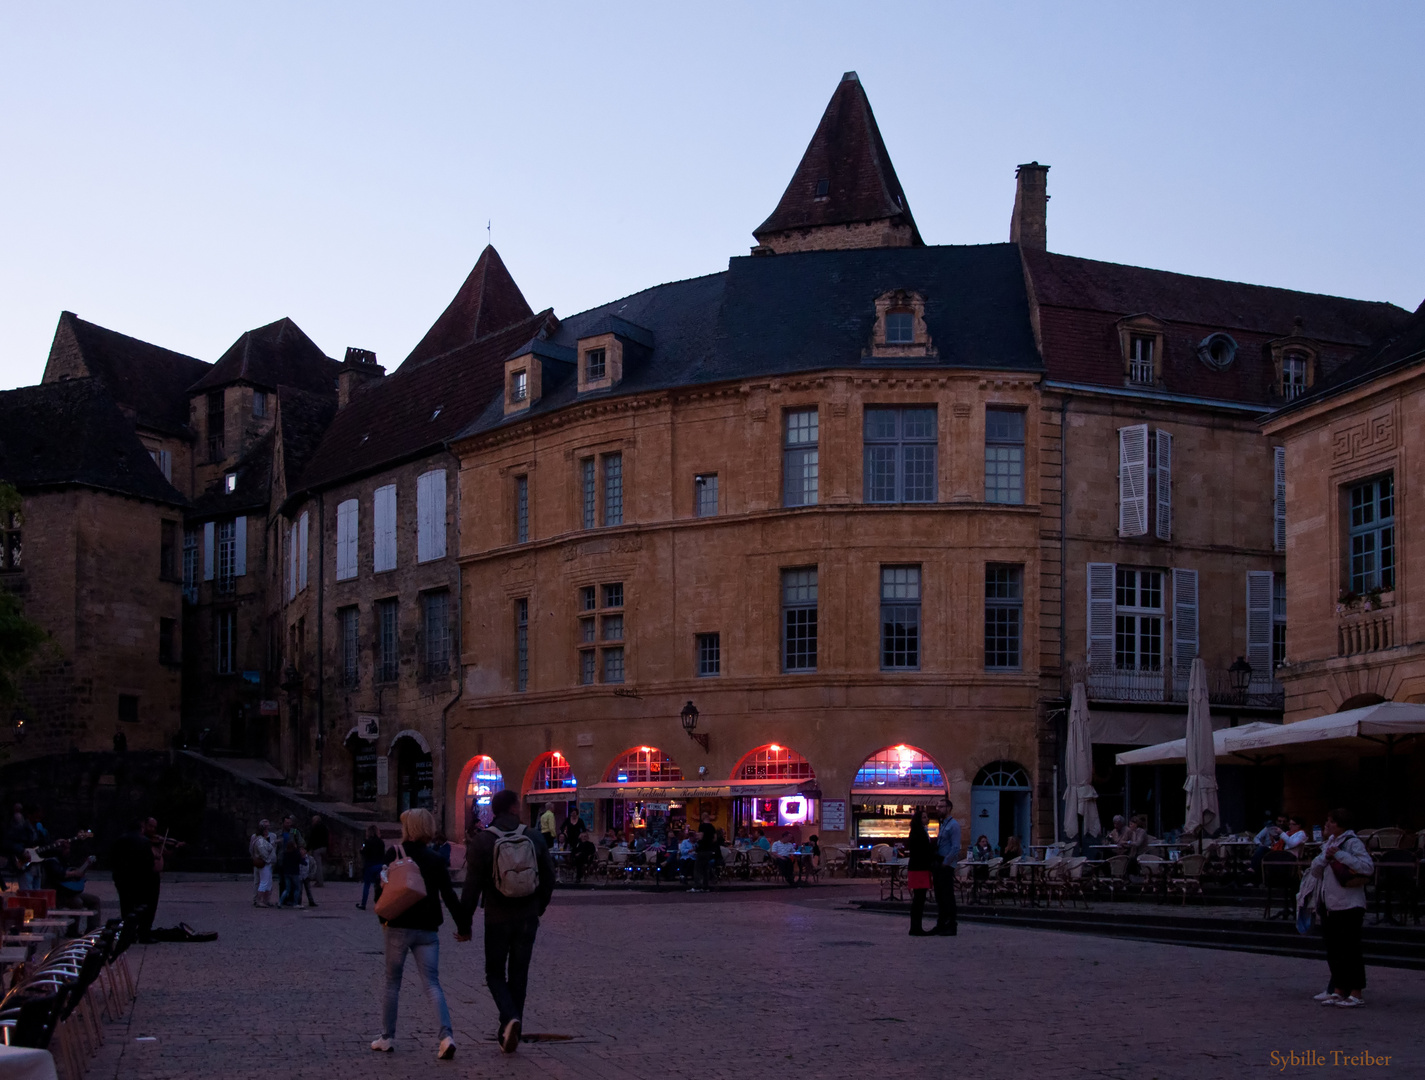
x=1114 y=877
x=1397 y=875
x=1155 y=874
x=1281 y=872
x=835 y=860
x=1386 y=839
x=758 y=864
x=1189 y=875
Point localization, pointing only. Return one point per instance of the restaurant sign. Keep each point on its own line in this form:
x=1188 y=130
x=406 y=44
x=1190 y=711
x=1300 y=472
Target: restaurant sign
x=268 y=708
x=833 y=815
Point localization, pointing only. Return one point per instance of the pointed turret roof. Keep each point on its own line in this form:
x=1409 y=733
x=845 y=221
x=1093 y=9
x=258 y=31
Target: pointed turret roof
x=278 y=354
x=846 y=176
x=488 y=301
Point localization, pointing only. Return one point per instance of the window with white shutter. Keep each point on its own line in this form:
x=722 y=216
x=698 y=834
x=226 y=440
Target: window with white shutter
x=1163 y=525
x=303 y=524
x=1259 y=622
x=289 y=550
x=240 y=547
x=1100 y=617
x=1184 y=624
x=347 y=518
x=209 y=541
x=1133 y=480
x=164 y=460
x=1279 y=498
x=430 y=516
x=384 y=512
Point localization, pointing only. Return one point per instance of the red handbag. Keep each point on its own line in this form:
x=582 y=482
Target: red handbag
x=918 y=879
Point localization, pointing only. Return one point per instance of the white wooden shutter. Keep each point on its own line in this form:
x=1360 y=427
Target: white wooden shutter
x=303 y=523
x=1184 y=623
x=1259 y=623
x=289 y=549
x=347 y=517
x=1279 y=498
x=384 y=506
x=209 y=535
x=1133 y=480
x=240 y=546
x=1164 y=523
x=1101 y=580
x=430 y=516
x=164 y=460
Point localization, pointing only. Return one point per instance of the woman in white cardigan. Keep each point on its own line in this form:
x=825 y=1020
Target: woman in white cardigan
x=1343 y=867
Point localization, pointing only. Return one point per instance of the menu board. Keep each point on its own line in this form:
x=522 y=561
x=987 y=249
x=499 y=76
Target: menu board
x=833 y=815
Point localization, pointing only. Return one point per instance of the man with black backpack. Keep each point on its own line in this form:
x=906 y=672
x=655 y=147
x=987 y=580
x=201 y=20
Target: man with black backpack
x=508 y=866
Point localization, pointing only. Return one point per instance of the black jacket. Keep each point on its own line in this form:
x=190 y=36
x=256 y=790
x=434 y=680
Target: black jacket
x=425 y=914
x=373 y=852
x=922 y=851
x=480 y=876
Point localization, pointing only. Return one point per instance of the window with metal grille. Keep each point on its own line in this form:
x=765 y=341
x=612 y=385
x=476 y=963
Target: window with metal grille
x=437 y=633
x=900 y=328
x=519 y=386
x=225 y=641
x=900 y=618
x=899 y=767
x=226 y=556
x=348 y=625
x=1004 y=615
x=899 y=455
x=1004 y=456
x=554 y=771
x=800 y=459
x=1138 y=620
x=773 y=762
x=613 y=489
x=705 y=494
x=522 y=644
x=215 y=425
x=589 y=489
x=1278 y=620
x=387 y=659
x=709 y=648
x=1140 y=359
x=521 y=509
x=190 y=565
x=1372 y=534
x=645 y=765
x=613 y=665
x=1294 y=371
x=799 y=619
x=595 y=364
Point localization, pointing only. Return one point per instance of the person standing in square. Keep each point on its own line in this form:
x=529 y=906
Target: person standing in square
x=947 y=847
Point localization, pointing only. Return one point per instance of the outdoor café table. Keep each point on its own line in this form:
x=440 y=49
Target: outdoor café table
x=892 y=873
x=854 y=855
x=30 y=942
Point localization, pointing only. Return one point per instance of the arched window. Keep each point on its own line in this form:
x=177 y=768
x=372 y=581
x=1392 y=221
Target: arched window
x=644 y=765
x=554 y=771
x=1003 y=774
x=773 y=762
x=485 y=780
x=899 y=767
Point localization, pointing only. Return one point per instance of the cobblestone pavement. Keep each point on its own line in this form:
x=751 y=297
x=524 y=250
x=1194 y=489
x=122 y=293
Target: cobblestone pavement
x=755 y=985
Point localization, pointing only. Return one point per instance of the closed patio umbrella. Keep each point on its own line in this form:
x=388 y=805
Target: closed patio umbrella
x=1080 y=798
x=1201 y=783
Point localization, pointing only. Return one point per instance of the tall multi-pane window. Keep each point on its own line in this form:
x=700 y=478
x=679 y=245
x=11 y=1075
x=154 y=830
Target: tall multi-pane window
x=522 y=644
x=900 y=618
x=612 y=630
x=225 y=638
x=1004 y=456
x=587 y=662
x=190 y=565
x=800 y=459
x=595 y=364
x=436 y=616
x=589 y=491
x=1294 y=367
x=226 y=555
x=613 y=489
x=522 y=509
x=1004 y=615
x=1140 y=358
x=1373 y=534
x=387 y=658
x=613 y=665
x=348 y=625
x=899 y=455
x=1278 y=620
x=705 y=495
x=709 y=648
x=216 y=421
x=1138 y=620
x=799 y=619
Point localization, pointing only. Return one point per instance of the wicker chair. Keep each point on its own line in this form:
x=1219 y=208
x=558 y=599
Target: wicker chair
x=1386 y=839
x=1114 y=878
x=1189 y=877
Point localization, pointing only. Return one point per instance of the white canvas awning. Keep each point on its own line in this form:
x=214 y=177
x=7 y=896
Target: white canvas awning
x=1175 y=752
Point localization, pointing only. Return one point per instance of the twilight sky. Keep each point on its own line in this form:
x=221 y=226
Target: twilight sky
x=183 y=172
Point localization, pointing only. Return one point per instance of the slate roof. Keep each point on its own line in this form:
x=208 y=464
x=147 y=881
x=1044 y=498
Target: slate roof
x=277 y=354
x=72 y=433
x=149 y=380
x=488 y=301
x=304 y=419
x=1401 y=348
x=396 y=418
x=802 y=312
x=253 y=492
x=1082 y=300
x=847 y=151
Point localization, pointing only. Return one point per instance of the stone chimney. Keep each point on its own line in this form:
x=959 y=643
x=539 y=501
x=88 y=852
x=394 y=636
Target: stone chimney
x=1027 y=225
x=359 y=368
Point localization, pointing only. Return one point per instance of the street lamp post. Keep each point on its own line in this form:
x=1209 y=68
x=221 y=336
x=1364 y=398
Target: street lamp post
x=689 y=716
x=1241 y=675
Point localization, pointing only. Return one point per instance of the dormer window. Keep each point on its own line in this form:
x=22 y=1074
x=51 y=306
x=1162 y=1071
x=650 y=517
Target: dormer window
x=823 y=188
x=900 y=328
x=595 y=364
x=519 y=386
x=229 y=483
x=1140 y=341
x=1140 y=359
x=1217 y=351
x=1295 y=366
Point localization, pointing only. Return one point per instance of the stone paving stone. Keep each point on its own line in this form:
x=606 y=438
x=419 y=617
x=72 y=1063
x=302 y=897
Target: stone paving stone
x=732 y=987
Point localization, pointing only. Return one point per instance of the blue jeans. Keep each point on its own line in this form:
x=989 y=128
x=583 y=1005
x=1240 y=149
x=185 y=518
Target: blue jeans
x=426 y=946
x=291 y=889
x=369 y=877
x=508 y=949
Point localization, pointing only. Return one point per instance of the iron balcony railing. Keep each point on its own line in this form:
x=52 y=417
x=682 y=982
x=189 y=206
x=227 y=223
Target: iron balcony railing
x=1130 y=685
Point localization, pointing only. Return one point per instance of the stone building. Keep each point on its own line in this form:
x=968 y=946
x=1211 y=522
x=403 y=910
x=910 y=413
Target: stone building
x=1358 y=615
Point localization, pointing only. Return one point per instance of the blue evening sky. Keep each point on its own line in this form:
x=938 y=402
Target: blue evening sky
x=182 y=172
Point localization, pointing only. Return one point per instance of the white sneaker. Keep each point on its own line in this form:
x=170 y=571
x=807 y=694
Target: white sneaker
x=447 y=1049
x=383 y=1045
x=1327 y=995
x=1351 y=1002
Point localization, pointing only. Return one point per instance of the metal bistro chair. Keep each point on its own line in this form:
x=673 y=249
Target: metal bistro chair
x=1189 y=876
x=1386 y=839
x=1155 y=875
x=1281 y=872
x=1397 y=875
x=758 y=865
x=1114 y=878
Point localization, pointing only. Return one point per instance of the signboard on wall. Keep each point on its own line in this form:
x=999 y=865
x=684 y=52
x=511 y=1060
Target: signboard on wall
x=586 y=812
x=268 y=708
x=383 y=775
x=833 y=815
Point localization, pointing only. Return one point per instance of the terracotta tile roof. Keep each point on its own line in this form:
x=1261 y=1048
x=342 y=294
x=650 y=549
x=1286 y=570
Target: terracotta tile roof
x=72 y=433
x=848 y=153
x=277 y=354
x=1081 y=302
x=149 y=381
x=419 y=408
x=488 y=301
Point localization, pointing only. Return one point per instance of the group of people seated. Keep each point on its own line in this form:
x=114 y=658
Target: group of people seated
x=1284 y=834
